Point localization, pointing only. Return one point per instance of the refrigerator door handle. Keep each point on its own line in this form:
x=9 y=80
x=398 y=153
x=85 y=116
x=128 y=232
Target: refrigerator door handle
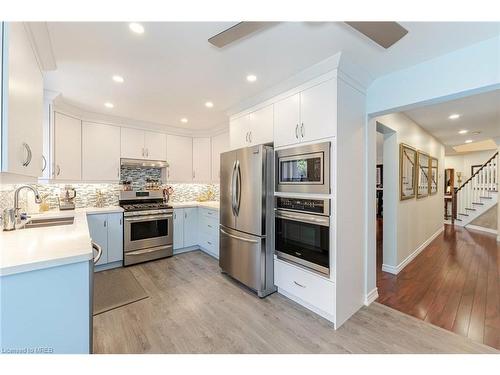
x=233 y=189
x=238 y=188
x=238 y=237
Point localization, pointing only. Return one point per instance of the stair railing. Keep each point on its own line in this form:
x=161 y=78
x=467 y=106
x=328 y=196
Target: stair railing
x=480 y=185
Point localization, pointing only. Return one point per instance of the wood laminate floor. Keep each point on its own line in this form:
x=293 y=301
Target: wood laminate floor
x=193 y=308
x=454 y=283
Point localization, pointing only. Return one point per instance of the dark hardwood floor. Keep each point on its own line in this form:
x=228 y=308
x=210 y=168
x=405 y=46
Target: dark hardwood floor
x=454 y=283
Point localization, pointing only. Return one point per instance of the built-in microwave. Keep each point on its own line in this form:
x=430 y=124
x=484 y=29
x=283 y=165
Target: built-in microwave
x=304 y=169
x=302 y=232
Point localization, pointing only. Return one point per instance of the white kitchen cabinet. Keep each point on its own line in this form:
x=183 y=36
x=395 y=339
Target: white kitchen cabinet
x=190 y=226
x=318 y=111
x=100 y=152
x=155 y=145
x=107 y=231
x=142 y=144
x=178 y=228
x=201 y=159
x=306 y=116
x=208 y=231
x=220 y=144
x=132 y=143
x=287 y=121
x=251 y=129
x=22 y=103
x=67 y=147
x=179 y=158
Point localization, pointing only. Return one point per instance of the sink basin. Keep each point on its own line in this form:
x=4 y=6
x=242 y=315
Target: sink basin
x=49 y=222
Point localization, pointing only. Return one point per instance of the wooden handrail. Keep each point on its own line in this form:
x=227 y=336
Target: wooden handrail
x=477 y=172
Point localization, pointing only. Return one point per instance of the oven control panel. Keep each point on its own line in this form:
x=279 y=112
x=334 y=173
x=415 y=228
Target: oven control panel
x=314 y=206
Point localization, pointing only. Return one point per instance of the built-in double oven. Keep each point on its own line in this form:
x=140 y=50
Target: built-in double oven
x=302 y=206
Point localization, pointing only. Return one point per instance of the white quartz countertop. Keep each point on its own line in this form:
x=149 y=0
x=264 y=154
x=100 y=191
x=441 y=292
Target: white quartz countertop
x=31 y=249
x=214 y=205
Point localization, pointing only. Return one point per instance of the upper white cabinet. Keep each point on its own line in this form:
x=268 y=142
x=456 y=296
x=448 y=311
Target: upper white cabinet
x=141 y=144
x=220 y=144
x=306 y=116
x=100 y=152
x=22 y=103
x=67 y=147
x=201 y=160
x=252 y=129
x=155 y=145
x=179 y=158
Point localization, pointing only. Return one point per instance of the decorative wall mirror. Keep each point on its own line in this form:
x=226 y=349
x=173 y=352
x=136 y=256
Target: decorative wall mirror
x=433 y=186
x=407 y=171
x=423 y=188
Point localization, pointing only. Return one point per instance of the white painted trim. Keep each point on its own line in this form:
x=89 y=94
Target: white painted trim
x=371 y=297
x=397 y=269
x=307 y=305
x=482 y=229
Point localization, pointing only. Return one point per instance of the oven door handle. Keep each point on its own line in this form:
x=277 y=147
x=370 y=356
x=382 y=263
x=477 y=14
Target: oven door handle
x=303 y=218
x=148 y=218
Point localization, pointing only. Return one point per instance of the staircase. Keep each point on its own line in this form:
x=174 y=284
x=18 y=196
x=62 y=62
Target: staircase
x=478 y=194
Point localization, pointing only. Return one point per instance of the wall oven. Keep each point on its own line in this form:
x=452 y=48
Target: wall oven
x=302 y=232
x=304 y=169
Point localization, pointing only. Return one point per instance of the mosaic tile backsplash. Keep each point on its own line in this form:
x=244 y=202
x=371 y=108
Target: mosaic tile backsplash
x=86 y=194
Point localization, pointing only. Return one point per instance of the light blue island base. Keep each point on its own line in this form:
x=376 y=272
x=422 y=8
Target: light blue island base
x=47 y=310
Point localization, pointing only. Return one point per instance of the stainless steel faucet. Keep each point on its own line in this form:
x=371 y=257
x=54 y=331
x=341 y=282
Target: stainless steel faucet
x=16 y=197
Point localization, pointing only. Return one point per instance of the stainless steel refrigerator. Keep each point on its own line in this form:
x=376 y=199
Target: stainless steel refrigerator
x=246 y=217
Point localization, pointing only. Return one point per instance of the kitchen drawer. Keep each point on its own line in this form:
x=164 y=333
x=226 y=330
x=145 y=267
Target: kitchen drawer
x=208 y=225
x=206 y=212
x=310 y=288
x=210 y=243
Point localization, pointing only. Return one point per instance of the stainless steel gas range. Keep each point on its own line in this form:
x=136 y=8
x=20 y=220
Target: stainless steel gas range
x=148 y=226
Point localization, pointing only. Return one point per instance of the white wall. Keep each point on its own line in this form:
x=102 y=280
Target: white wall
x=408 y=224
x=463 y=162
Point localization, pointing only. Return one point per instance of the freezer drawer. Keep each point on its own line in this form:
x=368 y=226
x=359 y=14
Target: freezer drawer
x=242 y=256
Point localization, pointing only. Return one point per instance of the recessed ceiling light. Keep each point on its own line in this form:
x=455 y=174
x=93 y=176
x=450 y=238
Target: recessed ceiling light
x=118 y=78
x=209 y=104
x=454 y=116
x=468 y=141
x=136 y=27
x=184 y=120
x=463 y=131
x=476 y=133
x=251 y=78
x=109 y=105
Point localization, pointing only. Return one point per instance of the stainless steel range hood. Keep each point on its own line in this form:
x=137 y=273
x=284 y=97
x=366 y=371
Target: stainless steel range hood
x=140 y=163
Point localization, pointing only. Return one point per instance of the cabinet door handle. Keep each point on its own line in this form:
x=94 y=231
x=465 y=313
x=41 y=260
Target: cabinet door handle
x=302 y=130
x=296 y=283
x=209 y=242
x=175 y=216
x=105 y=223
x=246 y=137
x=118 y=172
x=297 y=131
x=250 y=137
x=120 y=221
x=44 y=163
x=209 y=225
x=58 y=168
x=185 y=215
x=28 y=156
x=194 y=175
x=147 y=152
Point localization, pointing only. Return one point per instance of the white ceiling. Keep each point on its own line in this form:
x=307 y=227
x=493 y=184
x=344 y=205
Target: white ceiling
x=477 y=113
x=171 y=70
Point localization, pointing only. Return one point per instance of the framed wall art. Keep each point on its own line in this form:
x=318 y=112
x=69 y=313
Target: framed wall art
x=423 y=162
x=407 y=172
x=433 y=186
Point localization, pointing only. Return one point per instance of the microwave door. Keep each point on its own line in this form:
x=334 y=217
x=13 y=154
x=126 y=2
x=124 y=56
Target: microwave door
x=227 y=193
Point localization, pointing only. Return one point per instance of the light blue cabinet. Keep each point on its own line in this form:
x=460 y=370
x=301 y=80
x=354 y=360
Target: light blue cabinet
x=178 y=228
x=107 y=231
x=190 y=226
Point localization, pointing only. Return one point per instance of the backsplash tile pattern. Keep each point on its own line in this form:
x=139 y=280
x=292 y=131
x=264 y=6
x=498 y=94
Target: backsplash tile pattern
x=138 y=176
x=86 y=194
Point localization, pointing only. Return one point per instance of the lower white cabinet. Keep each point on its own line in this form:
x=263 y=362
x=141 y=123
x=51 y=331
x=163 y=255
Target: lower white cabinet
x=197 y=226
x=310 y=290
x=107 y=231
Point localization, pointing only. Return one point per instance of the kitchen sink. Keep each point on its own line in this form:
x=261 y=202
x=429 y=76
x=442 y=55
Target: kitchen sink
x=49 y=222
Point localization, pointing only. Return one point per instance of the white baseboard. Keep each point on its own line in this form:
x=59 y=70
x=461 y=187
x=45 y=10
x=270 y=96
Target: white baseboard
x=482 y=229
x=397 y=269
x=371 y=296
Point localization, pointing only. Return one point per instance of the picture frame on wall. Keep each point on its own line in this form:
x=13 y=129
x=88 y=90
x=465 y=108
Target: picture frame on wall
x=433 y=183
x=407 y=172
x=423 y=180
